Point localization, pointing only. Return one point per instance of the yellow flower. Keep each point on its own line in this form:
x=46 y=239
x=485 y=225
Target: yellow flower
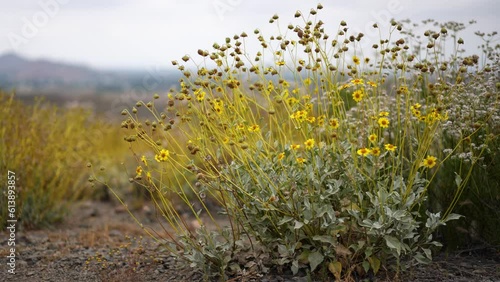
x=321 y=120
x=300 y=160
x=311 y=119
x=309 y=144
x=270 y=86
x=403 y=90
x=357 y=81
x=240 y=126
x=148 y=176
x=383 y=122
x=358 y=95
x=162 y=156
x=372 y=83
x=355 y=59
x=285 y=84
x=218 y=109
x=334 y=123
x=372 y=138
x=225 y=140
x=345 y=86
x=375 y=151
x=300 y=116
x=383 y=114
x=295 y=147
x=281 y=156
x=200 y=95
x=429 y=162
x=292 y=101
x=280 y=63
x=144 y=160
x=363 y=152
x=390 y=147
x=138 y=171
x=254 y=128
x=307 y=81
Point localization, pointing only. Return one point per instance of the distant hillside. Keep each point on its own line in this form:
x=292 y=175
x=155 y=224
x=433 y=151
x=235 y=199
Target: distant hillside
x=48 y=77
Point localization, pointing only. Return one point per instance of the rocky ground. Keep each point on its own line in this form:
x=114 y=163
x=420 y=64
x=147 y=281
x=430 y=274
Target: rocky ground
x=99 y=242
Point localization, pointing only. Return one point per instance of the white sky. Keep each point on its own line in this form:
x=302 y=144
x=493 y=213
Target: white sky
x=140 y=34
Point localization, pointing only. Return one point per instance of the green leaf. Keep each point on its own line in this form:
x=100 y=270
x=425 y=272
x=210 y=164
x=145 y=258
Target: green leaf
x=315 y=259
x=374 y=263
x=298 y=224
x=325 y=239
x=295 y=267
x=428 y=253
x=458 y=180
x=393 y=243
x=452 y=216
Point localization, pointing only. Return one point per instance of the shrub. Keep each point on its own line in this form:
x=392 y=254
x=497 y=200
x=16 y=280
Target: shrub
x=47 y=148
x=319 y=157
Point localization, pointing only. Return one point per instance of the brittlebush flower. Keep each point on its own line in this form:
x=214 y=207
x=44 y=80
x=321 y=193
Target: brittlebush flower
x=300 y=160
x=358 y=95
x=295 y=147
x=390 y=147
x=357 y=81
x=292 y=101
x=334 y=123
x=200 y=95
x=138 y=171
x=281 y=156
x=383 y=122
x=375 y=151
x=372 y=138
x=254 y=128
x=355 y=60
x=162 y=156
x=383 y=114
x=309 y=144
x=363 y=152
x=429 y=162
x=144 y=160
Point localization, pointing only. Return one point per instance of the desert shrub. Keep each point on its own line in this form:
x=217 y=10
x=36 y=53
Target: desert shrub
x=319 y=156
x=47 y=148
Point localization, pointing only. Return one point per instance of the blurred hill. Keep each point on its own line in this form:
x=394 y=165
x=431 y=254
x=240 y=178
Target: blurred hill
x=45 y=77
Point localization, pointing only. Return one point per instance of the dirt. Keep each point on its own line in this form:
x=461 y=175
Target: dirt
x=100 y=242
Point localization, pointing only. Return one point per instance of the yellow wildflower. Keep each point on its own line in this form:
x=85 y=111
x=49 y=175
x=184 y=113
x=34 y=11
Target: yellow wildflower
x=363 y=152
x=390 y=147
x=429 y=162
x=309 y=144
x=300 y=160
x=281 y=156
x=358 y=95
x=383 y=122
x=162 y=156
x=375 y=151
x=334 y=123
x=254 y=128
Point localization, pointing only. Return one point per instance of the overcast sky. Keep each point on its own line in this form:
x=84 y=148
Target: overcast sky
x=139 y=34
